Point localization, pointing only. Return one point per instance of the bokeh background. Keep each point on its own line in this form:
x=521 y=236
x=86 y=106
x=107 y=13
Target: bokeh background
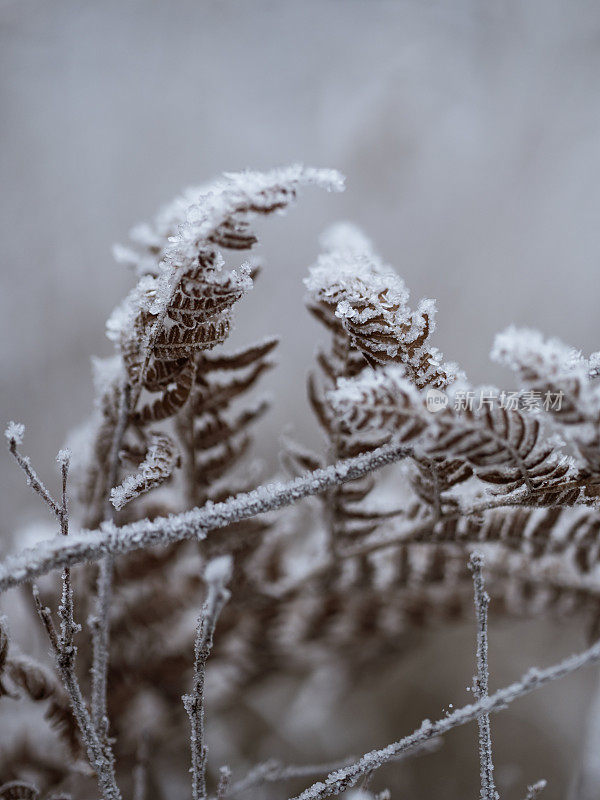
x=469 y=132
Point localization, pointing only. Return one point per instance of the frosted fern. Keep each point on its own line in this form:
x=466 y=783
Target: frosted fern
x=199 y=578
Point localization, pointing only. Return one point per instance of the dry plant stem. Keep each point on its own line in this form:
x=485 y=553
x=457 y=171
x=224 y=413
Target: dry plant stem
x=195 y=524
x=63 y=645
x=480 y=682
x=224 y=781
x=140 y=776
x=102 y=765
x=33 y=479
x=272 y=771
x=66 y=608
x=100 y=622
x=217 y=596
x=587 y=782
x=339 y=781
x=534 y=790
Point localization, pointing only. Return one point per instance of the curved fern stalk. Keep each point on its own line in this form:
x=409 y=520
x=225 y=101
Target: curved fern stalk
x=185 y=308
x=171 y=317
x=156 y=322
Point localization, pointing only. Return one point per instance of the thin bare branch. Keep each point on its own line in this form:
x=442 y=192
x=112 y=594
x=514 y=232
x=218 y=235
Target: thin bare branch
x=272 y=771
x=14 y=435
x=224 y=781
x=100 y=621
x=195 y=524
x=587 y=782
x=103 y=766
x=480 y=682
x=217 y=574
x=69 y=628
x=340 y=780
x=140 y=771
x=535 y=789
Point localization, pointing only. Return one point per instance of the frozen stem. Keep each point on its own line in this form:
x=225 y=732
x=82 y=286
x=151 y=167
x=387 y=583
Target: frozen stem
x=100 y=621
x=140 y=771
x=480 y=682
x=62 y=644
x=534 y=790
x=14 y=436
x=195 y=524
x=342 y=779
x=102 y=764
x=273 y=771
x=69 y=628
x=587 y=781
x=224 y=781
x=217 y=574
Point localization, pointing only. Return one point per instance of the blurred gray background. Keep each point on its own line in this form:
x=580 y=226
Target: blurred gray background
x=468 y=131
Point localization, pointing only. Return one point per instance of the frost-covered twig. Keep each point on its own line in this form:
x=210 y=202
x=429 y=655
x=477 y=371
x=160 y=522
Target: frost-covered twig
x=217 y=575
x=273 y=770
x=224 y=780
x=195 y=524
x=63 y=645
x=101 y=763
x=66 y=608
x=534 y=790
x=480 y=682
x=100 y=621
x=140 y=776
x=587 y=782
x=535 y=678
x=14 y=435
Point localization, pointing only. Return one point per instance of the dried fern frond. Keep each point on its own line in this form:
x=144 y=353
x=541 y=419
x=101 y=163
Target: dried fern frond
x=352 y=289
x=188 y=306
x=566 y=382
x=150 y=240
x=39 y=685
x=157 y=467
x=19 y=790
x=505 y=448
x=569 y=536
x=181 y=306
x=214 y=438
x=348 y=251
x=46 y=768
